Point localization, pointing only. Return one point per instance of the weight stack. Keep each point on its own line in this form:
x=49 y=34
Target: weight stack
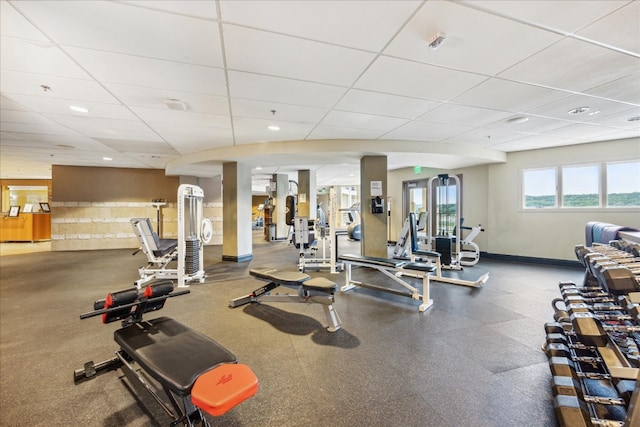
x=444 y=248
x=192 y=256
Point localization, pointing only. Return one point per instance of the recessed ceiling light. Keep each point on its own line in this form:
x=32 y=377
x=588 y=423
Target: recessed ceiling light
x=578 y=110
x=107 y=158
x=78 y=109
x=258 y=168
x=634 y=119
x=274 y=127
x=518 y=120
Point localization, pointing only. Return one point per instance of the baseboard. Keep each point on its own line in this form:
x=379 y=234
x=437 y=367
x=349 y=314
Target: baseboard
x=241 y=258
x=531 y=260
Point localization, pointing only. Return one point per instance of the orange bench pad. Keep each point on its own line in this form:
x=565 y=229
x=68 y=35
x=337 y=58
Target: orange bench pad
x=220 y=389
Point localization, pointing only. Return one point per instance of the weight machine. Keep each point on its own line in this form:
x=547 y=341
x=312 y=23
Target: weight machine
x=316 y=241
x=193 y=232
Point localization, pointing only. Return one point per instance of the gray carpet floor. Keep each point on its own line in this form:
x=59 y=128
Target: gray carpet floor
x=473 y=359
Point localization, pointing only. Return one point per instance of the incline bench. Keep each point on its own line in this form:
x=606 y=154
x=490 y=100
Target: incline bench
x=394 y=269
x=195 y=372
x=316 y=290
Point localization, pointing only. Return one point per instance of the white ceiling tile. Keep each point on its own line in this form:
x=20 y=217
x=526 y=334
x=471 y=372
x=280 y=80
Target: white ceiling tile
x=597 y=107
x=580 y=131
x=137 y=96
x=486 y=137
x=625 y=89
x=534 y=124
x=532 y=142
x=396 y=76
x=51 y=129
x=627 y=31
x=14 y=116
x=281 y=90
x=362 y=101
x=106 y=128
x=249 y=131
x=276 y=112
x=563 y=16
x=620 y=120
x=135 y=71
x=156 y=116
x=196 y=139
x=573 y=65
x=124 y=145
x=37 y=57
x=338 y=132
x=418 y=130
x=7 y=104
x=197 y=8
x=192 y=139
x=13 y=24
x=12 y=83
x=115 y=27
x=510 y=96
x=328 y=21
x=362 y=121
x=461 y=114
x=269 y=53
x=472 y=39
x=45 y=104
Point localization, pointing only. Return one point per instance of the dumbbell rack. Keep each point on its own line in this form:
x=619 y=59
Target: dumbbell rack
x=592 y=346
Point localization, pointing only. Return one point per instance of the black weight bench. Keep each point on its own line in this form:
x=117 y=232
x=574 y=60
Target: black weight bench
x=195 y=372
x=317 y=290
x=393 y=269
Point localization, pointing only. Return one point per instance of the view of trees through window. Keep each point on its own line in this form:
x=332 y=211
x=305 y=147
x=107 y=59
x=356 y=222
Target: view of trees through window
x=580 y=186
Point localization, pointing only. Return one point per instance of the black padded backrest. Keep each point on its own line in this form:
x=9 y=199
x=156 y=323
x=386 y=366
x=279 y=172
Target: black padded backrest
x=117 y=299
x=413 y=232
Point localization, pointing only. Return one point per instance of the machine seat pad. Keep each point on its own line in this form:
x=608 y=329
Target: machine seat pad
x=172 y=353
x=373 y=261
x=422 y=252
x=220 y=389
x=165 y=246
x=320 y=284
x=419 y=266
x=283 y=278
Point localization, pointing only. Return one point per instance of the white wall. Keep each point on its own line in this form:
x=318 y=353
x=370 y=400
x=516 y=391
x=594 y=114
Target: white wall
x=492 y=194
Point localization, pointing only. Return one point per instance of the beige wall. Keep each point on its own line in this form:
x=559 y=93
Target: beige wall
x=492 y=194
x=91 y=207
x=549 y=233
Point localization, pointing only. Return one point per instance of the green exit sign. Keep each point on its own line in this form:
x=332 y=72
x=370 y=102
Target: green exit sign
x=417 y=169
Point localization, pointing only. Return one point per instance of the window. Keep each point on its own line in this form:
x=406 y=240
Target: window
x=540 y=188
x=623 y=184
x=580 y=186
x=607 y=185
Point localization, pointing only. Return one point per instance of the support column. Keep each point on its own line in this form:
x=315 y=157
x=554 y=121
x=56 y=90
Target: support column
x=236 y=212
x=307 y=199
x=373 y=183
x=280 y=200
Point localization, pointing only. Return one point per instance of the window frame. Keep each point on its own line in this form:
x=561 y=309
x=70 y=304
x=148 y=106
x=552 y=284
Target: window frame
x=602 y=189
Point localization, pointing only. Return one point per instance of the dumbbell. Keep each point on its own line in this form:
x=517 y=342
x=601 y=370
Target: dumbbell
x=571 y=403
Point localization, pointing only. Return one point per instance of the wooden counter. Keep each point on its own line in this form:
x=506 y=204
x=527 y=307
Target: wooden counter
x=28 y=227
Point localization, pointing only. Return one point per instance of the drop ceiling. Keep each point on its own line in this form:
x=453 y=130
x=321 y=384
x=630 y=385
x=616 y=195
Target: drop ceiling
x=187 y=85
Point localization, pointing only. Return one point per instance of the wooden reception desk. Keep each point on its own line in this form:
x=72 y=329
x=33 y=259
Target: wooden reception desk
x=28 y=227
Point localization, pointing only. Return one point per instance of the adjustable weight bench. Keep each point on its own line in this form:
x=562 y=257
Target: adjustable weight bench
x=393 y=269
x=317 y=290
x=195 y=372
x=159 y=252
